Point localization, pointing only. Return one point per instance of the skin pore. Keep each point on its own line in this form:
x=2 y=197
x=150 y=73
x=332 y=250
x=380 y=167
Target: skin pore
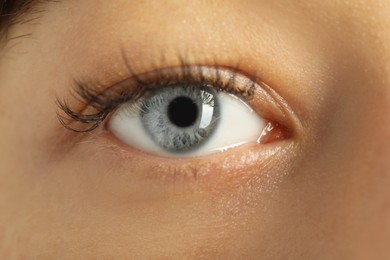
x=320 y=193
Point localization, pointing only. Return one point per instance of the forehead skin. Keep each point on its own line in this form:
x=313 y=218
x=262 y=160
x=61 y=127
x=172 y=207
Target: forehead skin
x=285 y=42
x=329 y=197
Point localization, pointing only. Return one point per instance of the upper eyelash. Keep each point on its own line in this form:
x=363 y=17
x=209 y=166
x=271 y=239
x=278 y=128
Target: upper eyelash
x=93 y=99
x=104 y=102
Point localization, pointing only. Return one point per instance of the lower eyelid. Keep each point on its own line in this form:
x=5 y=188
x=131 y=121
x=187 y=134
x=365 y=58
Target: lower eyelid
x=230 y=165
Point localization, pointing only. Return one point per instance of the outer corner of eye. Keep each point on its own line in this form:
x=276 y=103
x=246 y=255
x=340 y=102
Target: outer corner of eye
x=187 y=121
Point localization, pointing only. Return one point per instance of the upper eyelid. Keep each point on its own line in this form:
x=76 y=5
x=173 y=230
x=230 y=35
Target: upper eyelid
x=104 y=99
x=266 y=102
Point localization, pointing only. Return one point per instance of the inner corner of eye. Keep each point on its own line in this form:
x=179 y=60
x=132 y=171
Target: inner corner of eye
x=182 y=121
x=273 y=132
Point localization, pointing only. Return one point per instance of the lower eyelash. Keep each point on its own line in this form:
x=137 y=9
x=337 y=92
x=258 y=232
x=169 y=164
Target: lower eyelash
x=98 y=105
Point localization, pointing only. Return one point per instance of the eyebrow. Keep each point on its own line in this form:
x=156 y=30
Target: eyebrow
x=12 y=10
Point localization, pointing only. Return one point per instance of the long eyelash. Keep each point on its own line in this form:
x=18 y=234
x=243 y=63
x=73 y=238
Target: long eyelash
x=99 y=102
x=98 y=105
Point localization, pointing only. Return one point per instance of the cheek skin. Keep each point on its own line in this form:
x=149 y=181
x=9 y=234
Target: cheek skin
x=129 y=211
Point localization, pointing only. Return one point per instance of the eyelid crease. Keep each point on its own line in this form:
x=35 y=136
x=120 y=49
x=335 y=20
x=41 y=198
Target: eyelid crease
x=97 y=105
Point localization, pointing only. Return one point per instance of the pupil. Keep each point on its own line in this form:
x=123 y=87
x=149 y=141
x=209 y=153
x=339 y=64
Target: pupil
x=182 y=112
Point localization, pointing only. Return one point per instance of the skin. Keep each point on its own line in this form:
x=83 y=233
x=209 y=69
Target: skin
x=321 y=193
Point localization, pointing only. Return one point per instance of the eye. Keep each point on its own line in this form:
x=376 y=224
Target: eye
x=186 y=120
x=185 y=111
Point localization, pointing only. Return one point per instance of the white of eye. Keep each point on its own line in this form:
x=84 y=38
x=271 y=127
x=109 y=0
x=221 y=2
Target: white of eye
x=238 y=125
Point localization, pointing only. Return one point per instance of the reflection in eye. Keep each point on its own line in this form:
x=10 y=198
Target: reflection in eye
x=186 y=120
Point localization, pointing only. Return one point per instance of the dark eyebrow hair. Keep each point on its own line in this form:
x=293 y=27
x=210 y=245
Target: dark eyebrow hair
x=12 y=10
